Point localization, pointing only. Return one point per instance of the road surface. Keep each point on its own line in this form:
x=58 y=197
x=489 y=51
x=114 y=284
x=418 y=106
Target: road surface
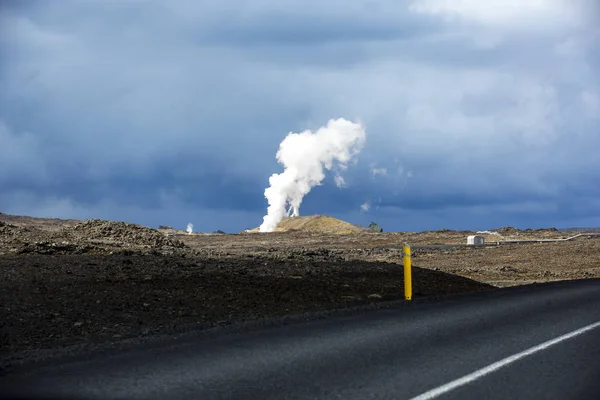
x=518 y=343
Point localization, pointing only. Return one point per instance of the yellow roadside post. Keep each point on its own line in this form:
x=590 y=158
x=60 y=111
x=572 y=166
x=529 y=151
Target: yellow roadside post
x=407 y=273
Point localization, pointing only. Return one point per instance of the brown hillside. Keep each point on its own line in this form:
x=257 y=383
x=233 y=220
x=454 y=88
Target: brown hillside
x=317 y=224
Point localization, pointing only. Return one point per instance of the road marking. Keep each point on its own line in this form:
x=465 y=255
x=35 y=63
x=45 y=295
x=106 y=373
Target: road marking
x=434 y=393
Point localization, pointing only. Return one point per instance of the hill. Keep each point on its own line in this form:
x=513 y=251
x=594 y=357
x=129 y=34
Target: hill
x=317 y=224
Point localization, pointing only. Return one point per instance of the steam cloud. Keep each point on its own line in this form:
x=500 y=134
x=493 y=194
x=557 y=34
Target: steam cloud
x=365 y=207
x=303 y=156
x=190 y=228
x=489 y=233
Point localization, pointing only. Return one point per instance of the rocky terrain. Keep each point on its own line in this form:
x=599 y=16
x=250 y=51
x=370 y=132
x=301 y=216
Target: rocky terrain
x=88 y=237
x=66 y=283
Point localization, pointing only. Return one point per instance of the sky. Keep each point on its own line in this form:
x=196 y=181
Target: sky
x=477 y=114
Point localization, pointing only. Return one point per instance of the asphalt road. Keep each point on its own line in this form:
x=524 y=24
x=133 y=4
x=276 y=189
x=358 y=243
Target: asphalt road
x=540 y=342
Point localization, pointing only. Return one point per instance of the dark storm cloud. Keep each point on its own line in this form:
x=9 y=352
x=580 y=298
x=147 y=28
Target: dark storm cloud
x=156 y=110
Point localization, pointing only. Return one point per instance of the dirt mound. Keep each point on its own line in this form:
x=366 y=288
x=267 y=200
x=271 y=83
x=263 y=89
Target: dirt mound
x=317 y=224
x=17 y=240
x=89 y=237
x=109 y=232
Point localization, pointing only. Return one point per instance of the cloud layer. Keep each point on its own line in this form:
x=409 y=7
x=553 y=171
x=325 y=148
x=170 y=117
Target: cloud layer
x=170 y=112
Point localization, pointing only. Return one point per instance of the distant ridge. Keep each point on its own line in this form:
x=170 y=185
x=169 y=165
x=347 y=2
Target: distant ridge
x=581 y=230
x=48 y=224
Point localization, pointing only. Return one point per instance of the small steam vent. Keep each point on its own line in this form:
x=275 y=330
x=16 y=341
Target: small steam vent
x=475 y=240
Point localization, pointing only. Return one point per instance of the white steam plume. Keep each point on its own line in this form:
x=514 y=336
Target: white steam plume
x=190 y=228
x=365 y=207
x=489 y=233
x=303 y=156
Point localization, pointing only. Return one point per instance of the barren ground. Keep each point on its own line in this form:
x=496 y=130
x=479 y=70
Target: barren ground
x=66 y=283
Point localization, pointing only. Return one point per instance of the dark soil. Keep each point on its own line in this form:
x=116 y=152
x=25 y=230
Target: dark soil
x=50 y=301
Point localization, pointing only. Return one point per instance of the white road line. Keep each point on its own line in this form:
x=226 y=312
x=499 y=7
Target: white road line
x=434 y=393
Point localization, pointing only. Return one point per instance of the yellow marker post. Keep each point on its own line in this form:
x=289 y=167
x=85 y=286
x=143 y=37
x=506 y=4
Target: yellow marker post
x=407 y=273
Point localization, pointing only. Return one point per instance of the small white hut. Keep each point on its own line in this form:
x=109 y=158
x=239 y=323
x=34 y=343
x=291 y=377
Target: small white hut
x=475 y=240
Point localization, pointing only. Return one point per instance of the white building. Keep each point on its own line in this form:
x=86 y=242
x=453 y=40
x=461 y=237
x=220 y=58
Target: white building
x=475 y=240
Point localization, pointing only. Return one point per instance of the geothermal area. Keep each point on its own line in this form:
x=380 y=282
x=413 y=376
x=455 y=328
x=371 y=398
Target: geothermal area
x=67 y=285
